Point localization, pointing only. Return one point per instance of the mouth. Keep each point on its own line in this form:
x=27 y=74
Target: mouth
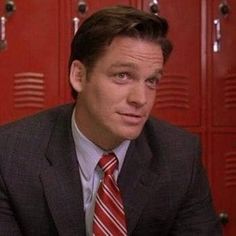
x=132 y=118
x=132 y=115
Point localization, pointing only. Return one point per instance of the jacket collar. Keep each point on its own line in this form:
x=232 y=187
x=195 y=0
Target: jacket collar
x=138 y=175
x=61 y=179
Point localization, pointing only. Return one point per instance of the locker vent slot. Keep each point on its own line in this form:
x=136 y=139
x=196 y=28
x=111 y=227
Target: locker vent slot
x=230 y=169
x=230 y=92
x=29 y=90
x=173 y=92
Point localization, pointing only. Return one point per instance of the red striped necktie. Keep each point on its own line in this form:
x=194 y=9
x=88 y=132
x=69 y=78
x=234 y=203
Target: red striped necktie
x=109 y=216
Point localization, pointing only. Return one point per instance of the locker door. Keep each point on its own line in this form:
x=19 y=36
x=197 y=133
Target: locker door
x=222 y=110
x=224 y=64
x=29 y=67
x=179 y=94
x=224 y=179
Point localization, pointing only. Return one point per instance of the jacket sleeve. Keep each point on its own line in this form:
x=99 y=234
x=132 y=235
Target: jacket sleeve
x=196 y=215
x=8 y=224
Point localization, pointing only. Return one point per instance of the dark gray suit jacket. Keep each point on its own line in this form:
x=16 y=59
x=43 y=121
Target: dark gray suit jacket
x=164 y=187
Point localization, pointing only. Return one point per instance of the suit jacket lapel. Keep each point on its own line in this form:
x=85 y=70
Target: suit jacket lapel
x=136 y=179
x=61 y=180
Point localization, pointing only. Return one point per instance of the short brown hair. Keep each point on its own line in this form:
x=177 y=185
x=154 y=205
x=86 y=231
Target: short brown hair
x=98 y=31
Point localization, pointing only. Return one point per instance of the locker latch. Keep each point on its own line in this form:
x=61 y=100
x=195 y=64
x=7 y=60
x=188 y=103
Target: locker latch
x=10 y=7
x=223 y=12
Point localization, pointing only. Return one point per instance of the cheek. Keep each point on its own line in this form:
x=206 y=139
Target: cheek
x=151 y=98
x=108 y=96
x=101 y=101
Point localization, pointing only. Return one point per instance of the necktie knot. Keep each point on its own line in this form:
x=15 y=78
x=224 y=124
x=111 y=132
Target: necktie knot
x=108 y=163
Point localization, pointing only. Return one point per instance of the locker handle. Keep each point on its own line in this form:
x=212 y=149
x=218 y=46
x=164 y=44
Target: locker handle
x=3 y=41
x=10 y=7
x=76 y=22
x=217 y=41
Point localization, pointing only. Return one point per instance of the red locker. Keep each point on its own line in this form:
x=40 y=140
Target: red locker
x=224 y=65
x=224 y=178
x=221 y=93
x=29 y=67
x=179 y=94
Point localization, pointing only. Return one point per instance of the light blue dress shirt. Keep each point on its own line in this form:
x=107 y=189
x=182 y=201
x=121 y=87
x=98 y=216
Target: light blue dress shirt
x=88 y=155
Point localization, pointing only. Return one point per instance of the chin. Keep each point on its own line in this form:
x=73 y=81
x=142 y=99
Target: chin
x=126 y=133
x=131 y=135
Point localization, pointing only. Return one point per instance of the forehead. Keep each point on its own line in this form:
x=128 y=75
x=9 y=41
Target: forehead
x=133 y=50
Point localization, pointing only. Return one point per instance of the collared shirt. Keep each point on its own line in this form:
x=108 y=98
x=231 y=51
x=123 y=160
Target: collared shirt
x=88 y=155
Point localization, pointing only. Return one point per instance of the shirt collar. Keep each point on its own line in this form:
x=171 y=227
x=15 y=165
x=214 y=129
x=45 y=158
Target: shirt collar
x=89 y=154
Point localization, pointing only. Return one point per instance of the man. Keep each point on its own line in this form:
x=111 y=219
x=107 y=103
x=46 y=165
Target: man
x=50 y=164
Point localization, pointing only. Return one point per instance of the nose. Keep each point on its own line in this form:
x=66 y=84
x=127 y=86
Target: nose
x=138 y=95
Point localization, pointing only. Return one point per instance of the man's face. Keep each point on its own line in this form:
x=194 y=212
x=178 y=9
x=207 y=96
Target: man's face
x=116 y=100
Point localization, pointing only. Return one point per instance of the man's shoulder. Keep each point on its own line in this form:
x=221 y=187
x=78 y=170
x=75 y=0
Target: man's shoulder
x=43 y=117
x=28 y=139
x=36 y=121
x=164 y=129
x=170 y=146
x=165 y=136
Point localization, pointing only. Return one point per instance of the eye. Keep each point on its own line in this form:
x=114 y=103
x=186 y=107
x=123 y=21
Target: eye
x=122 y=77
x=152 y=82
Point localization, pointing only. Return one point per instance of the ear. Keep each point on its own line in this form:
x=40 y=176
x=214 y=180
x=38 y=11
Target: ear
x=77 y=75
